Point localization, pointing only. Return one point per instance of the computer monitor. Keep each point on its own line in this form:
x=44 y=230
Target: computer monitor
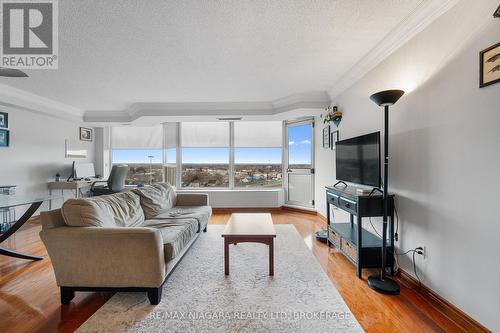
x=84 y=170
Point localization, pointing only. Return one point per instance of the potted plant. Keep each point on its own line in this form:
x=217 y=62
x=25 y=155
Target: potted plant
x=332 y=115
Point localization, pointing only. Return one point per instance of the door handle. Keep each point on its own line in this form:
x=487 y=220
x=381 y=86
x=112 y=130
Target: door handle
x=288 y=170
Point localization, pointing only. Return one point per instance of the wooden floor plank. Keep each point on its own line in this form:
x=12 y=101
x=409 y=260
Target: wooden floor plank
x=29 y=297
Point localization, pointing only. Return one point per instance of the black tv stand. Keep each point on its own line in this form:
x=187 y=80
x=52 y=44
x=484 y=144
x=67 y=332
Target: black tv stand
x=360 y=246
x=340 y=182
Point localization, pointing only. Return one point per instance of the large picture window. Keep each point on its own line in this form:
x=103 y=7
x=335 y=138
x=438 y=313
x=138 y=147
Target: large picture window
x=205 y=167
x=202 y=154
x=205 y=154
x=258 y=154
x=257 y=167
x=141 y=149
x=145 y=165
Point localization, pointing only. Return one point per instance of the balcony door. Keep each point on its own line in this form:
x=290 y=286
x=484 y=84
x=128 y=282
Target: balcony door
x=299 y=163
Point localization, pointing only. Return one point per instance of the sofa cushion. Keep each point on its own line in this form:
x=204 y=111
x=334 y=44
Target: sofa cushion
x=172 y=192
x=175 y=233
x=116 y=210
x=156 y=199
x=199 y=213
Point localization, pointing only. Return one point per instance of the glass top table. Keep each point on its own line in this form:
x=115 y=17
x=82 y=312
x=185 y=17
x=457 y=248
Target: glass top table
x=15 y=200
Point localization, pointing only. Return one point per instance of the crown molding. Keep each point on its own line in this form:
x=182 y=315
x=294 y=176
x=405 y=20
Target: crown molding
x=307 y=100
x=426 y=12
x=11 y=97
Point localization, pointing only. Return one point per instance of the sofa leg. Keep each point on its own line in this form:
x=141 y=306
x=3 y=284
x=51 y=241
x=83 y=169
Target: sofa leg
x=205 y=230
x=154 y=295
x=67 y=294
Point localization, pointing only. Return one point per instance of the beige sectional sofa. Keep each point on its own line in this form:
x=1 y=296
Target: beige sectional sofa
x=128 y=241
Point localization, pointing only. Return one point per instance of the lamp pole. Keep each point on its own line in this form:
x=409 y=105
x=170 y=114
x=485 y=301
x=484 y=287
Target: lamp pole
x=386 y=187
x=381 y=283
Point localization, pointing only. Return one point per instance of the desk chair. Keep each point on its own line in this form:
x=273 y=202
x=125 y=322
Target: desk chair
x=115 y=182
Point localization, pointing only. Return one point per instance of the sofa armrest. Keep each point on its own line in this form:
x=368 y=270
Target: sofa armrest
x=106 y=257
x=192 y=199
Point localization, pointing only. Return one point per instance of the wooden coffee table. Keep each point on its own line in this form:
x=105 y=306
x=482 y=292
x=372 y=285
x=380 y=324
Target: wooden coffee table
x=254 y=228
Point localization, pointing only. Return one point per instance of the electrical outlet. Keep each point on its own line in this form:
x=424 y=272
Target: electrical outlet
x=422 y=251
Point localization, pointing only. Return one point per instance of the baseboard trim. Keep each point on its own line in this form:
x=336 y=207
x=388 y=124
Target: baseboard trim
x=296 y=209
x=321 y=216
x=229 y=210
x=442 y=305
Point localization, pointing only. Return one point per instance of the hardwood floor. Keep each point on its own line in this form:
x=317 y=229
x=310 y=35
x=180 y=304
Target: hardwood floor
x=29 y=297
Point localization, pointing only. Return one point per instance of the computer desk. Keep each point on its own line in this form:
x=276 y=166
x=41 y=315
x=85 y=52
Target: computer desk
x=76 y=186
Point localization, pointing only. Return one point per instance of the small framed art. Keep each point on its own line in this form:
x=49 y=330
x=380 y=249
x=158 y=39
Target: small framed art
x=4 y=138
x=4 y=120
x=489 y=66
x=326 y=137
x=86 y=134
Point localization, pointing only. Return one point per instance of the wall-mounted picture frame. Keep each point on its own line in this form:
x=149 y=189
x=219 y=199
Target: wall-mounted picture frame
x=4 y=138
x=86 y=134
x=489 y=66
x=4 y=120
x=334 y=138
x=326 y=137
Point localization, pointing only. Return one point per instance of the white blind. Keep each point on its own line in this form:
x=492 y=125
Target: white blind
x=258 y=134
x=170 y=135
x=205 y=134
x=136 y=137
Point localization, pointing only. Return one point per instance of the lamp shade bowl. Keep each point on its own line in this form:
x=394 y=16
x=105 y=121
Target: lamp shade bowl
x=387 y=97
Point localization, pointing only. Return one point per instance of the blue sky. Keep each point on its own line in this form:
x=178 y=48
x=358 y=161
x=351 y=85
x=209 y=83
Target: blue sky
x=136 y=155
x=299 y=144
x=299 y=148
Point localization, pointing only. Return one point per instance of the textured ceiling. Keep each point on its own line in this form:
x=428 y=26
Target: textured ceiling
x=115 y=53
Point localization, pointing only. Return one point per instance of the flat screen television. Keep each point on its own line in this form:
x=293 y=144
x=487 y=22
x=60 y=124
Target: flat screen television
x=357 y=160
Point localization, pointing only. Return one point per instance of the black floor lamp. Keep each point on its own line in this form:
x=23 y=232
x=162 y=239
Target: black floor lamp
x=381 y=283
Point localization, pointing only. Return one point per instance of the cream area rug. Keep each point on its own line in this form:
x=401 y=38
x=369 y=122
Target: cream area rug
x=198 y=297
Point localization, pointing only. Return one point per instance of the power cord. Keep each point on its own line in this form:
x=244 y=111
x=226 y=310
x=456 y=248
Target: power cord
x=417 y=250
x=373 y=227
x=396 y=234
x=415 y=266
x=397 y=223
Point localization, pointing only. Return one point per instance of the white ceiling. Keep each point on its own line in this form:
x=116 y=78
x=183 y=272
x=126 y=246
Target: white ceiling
x=113 y=54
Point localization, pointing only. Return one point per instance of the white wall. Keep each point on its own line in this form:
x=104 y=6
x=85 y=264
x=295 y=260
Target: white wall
x=444 y=155
x=324 y=165
x=36 y=152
